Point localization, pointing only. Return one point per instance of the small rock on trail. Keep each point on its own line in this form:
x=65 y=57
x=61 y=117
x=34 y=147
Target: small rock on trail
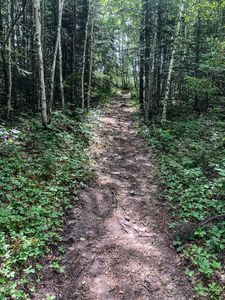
x=117 y=246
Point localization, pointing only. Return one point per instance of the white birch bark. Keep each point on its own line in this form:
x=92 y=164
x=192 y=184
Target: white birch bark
x=91 y=65
x=84 y=57
x=57 y=46
x=37 y=14
x=60 y=56
x=9 y=100
x=171 y=65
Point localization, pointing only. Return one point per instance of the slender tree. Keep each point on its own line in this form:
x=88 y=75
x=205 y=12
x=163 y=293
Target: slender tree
x=90 y=63
x=9 y=60
x=197 y=51
x=61 y=6
x=171 y=65
x=58 y=50
x=84 y=55
x=38 y=18
x=141 y=53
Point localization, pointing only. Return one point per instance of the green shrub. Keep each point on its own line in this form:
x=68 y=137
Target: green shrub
x=40 y=173
x=191 y=161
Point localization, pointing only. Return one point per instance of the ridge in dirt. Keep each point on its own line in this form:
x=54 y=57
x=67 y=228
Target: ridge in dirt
x=116 y=240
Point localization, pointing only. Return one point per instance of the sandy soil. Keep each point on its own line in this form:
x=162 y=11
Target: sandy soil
x=116 y=239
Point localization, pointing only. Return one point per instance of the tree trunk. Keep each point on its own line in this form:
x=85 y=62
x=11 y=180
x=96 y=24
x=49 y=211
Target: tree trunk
x=141 y=83
x=74 y=87
x=158 y=56
x=37 y=14
x=34 y=93
x=171 y=65
x=147 y=99
x=135 y=78
x=60 y=57
x=84 y=57
x=58 y=47
x=197 y=55
x=9 y=96
x=90 y=64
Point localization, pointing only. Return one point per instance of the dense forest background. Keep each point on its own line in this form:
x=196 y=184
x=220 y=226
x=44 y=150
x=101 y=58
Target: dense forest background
x=66 y=52
x=61 y=58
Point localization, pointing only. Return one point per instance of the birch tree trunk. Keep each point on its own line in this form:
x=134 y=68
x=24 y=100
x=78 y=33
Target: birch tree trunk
x=197 y=53
x=122 y=65
x=9 y=96
x=84 y=57
x=37 y=13
x=141 y=82
x=171 y=65
x=135 y=79
x=91 y=64
x=158 y=55
x=74 y=86
x=58 y=48
x=60 y=56
x=147 y=34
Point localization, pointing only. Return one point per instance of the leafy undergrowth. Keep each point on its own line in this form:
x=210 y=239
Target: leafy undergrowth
x=192 y=162
x=41 y=171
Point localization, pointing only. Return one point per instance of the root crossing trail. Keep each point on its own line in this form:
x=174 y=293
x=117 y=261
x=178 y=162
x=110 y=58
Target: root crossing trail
x=117 y=246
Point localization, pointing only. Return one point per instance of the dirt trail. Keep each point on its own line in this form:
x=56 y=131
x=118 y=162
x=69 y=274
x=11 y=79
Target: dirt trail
x=117 y=247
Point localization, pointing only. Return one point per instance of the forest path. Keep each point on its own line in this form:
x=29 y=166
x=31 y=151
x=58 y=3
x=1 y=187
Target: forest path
x=117 y=247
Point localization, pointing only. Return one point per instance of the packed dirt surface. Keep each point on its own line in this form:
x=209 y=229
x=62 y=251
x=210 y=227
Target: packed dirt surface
x=116 y=239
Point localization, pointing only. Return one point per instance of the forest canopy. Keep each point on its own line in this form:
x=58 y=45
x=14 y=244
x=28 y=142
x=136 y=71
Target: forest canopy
x=60 y=54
